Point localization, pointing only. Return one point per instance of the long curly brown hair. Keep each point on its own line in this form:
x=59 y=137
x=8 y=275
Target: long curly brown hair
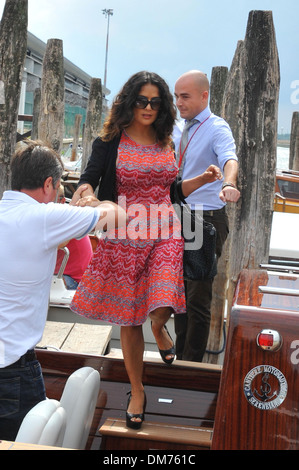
x=121 y=113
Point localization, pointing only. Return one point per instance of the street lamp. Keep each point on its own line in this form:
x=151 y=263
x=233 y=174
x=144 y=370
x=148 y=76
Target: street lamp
x=107 y=13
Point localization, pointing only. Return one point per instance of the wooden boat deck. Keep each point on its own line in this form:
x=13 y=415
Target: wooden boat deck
x=192 y=389
x=76 y=337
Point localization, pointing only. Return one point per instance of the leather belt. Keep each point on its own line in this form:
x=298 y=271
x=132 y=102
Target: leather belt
x=213 y=212
x=29 y=356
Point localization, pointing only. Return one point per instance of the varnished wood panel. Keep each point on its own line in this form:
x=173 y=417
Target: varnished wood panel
x=238 y=424
x=190 y=376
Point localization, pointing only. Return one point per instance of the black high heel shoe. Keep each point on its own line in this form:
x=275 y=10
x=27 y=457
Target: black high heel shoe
x=129 y=416
x=167 y=352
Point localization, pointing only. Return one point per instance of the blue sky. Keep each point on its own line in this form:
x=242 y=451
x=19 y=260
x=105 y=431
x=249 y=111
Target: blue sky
x=166 y=36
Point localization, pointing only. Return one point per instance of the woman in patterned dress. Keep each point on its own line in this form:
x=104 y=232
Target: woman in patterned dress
x=137 y=272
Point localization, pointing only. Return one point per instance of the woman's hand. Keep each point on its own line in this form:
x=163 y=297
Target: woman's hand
x=211 y=174
x=112 y=215
x=78 y=194
x=90 y=201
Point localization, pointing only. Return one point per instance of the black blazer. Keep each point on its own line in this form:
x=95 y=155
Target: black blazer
x=101 y=170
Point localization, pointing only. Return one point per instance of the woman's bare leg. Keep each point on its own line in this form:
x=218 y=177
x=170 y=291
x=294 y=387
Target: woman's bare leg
x=159 y=318
x=132 y=343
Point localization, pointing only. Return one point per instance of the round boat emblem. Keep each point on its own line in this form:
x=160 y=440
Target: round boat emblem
x=265 y=387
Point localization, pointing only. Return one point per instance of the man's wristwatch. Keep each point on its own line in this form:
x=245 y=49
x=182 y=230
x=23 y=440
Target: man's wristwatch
x=228 y=184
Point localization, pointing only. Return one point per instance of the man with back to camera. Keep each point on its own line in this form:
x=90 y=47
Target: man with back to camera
x=31 y=228
x=209 y=141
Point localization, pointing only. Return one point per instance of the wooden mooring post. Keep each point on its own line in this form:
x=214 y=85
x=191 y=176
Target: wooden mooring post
x=13 y=45
x=217 y=87
x=250 y=106
x=78 y=119
x=51 y=115
x=93 y=118
x=216 y=342
x=294 y=143
x=35 y=115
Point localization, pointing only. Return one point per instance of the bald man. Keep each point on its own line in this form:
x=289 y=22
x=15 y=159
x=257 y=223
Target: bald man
x=210 y=141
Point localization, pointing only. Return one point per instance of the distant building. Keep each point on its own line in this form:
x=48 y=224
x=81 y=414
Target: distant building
x=77 y=85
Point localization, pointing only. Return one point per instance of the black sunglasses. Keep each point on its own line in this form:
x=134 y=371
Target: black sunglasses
x=142 y=102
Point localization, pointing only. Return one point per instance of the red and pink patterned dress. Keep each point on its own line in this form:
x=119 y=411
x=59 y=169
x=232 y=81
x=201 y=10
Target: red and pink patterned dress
x=137 y=268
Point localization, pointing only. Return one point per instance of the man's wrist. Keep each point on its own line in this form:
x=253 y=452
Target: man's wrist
x=228 y=183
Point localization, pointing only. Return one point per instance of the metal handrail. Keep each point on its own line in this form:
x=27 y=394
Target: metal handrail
x=280 y=267
x=64 y=261
x=278 y=291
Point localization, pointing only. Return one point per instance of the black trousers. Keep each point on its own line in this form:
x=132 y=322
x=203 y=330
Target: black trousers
x=192 y=329
x=21 y=388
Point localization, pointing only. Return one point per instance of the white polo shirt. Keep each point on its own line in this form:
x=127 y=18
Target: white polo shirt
x=29 y=235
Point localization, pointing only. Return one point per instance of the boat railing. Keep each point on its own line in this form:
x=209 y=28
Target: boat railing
x=292 y=267
x=278 y=291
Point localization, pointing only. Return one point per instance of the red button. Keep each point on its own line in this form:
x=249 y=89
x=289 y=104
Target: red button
x=265 y=340
x=269 y=340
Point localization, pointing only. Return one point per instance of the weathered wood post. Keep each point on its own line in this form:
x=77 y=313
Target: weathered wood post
x=35 y=114
x=294 y=143
x=51 y=116
x=13 y=45
x=93 y=118
x=255 y=81
x=217 y=87
x=78 y=119
x=250 y=106
x=220 y=284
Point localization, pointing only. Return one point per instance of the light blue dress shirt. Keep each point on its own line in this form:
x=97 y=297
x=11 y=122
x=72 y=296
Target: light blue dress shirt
x=211 y=144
